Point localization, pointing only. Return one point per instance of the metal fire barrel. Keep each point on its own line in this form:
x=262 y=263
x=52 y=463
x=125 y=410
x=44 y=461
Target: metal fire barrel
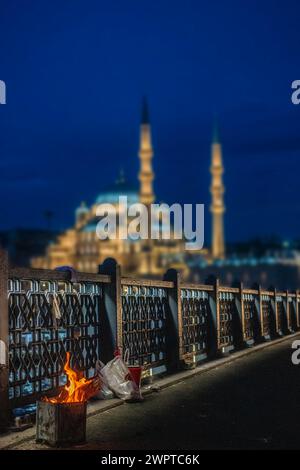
x=60 y=424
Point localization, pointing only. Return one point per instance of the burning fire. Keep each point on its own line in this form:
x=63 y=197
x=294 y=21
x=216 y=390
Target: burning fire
x=77 y=390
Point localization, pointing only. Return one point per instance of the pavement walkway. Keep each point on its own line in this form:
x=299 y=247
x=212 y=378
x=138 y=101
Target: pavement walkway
x=249 y=403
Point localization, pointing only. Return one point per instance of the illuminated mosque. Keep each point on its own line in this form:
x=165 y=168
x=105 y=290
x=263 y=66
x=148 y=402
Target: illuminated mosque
x=81 y=248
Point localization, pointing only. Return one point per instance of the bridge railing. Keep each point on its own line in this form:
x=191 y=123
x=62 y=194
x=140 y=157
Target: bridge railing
x=165 y=324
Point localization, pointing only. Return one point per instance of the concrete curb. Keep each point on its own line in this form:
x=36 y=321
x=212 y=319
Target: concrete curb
x=12 y=439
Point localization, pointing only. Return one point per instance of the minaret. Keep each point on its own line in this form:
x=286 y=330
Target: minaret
x=146 y=174
x=81 y=214
x=146 y=177
x=217 y=190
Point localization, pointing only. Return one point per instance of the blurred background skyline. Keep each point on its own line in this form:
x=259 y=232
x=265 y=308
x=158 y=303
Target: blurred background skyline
x=76 y=73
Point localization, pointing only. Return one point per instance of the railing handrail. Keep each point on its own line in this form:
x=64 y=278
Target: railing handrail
x=202 y=287
x=129 y=281
x=55 y=275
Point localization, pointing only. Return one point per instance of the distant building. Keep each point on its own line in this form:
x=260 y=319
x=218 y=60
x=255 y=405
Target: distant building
x=81 y=248
x=278 y=268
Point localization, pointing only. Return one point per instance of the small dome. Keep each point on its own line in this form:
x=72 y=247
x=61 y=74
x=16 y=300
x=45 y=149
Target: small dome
x=82 y=209
x=120 y=188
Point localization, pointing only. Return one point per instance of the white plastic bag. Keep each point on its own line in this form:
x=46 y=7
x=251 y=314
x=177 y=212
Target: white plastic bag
x=105 y=392
x=117 y=376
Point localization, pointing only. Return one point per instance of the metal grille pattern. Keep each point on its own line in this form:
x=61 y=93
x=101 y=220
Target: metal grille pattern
x=266 y=315
x=297 y=311
x=195 y=311
x=144 y=324
x=281 y=318
x=249 y=316
x=292 y=313
x=227 y=312
x=46 y=319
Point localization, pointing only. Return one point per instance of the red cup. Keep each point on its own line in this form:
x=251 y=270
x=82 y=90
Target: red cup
x=136 y=374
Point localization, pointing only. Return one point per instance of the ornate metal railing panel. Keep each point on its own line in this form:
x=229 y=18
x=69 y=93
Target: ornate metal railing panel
x=267 y=315
x=250 y=317
x=292 y=313
x=195 y=318
x=144 y=324
x=297 y=310
x=226 y=319
x=281 y=314
x=46 y=319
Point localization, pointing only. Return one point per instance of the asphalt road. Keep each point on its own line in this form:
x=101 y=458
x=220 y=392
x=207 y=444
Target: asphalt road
x=252 y=403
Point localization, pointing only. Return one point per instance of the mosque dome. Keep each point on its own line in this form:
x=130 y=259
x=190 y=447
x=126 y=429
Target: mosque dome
x=121 y=187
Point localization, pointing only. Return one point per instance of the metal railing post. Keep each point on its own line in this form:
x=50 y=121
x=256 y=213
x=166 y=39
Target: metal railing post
x=218 y=319
x=4 y=341
x=275 y=311
x=111 y=316
x=174 y=322
x=241 y=299
x=214 y=318
x=278 y=326
x=261 y=313
x=288 y=313
x=297 y=310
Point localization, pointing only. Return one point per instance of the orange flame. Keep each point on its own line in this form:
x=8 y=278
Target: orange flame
x=77 y=390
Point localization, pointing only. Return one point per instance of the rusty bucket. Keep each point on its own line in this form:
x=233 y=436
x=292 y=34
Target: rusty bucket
x=60 y=424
